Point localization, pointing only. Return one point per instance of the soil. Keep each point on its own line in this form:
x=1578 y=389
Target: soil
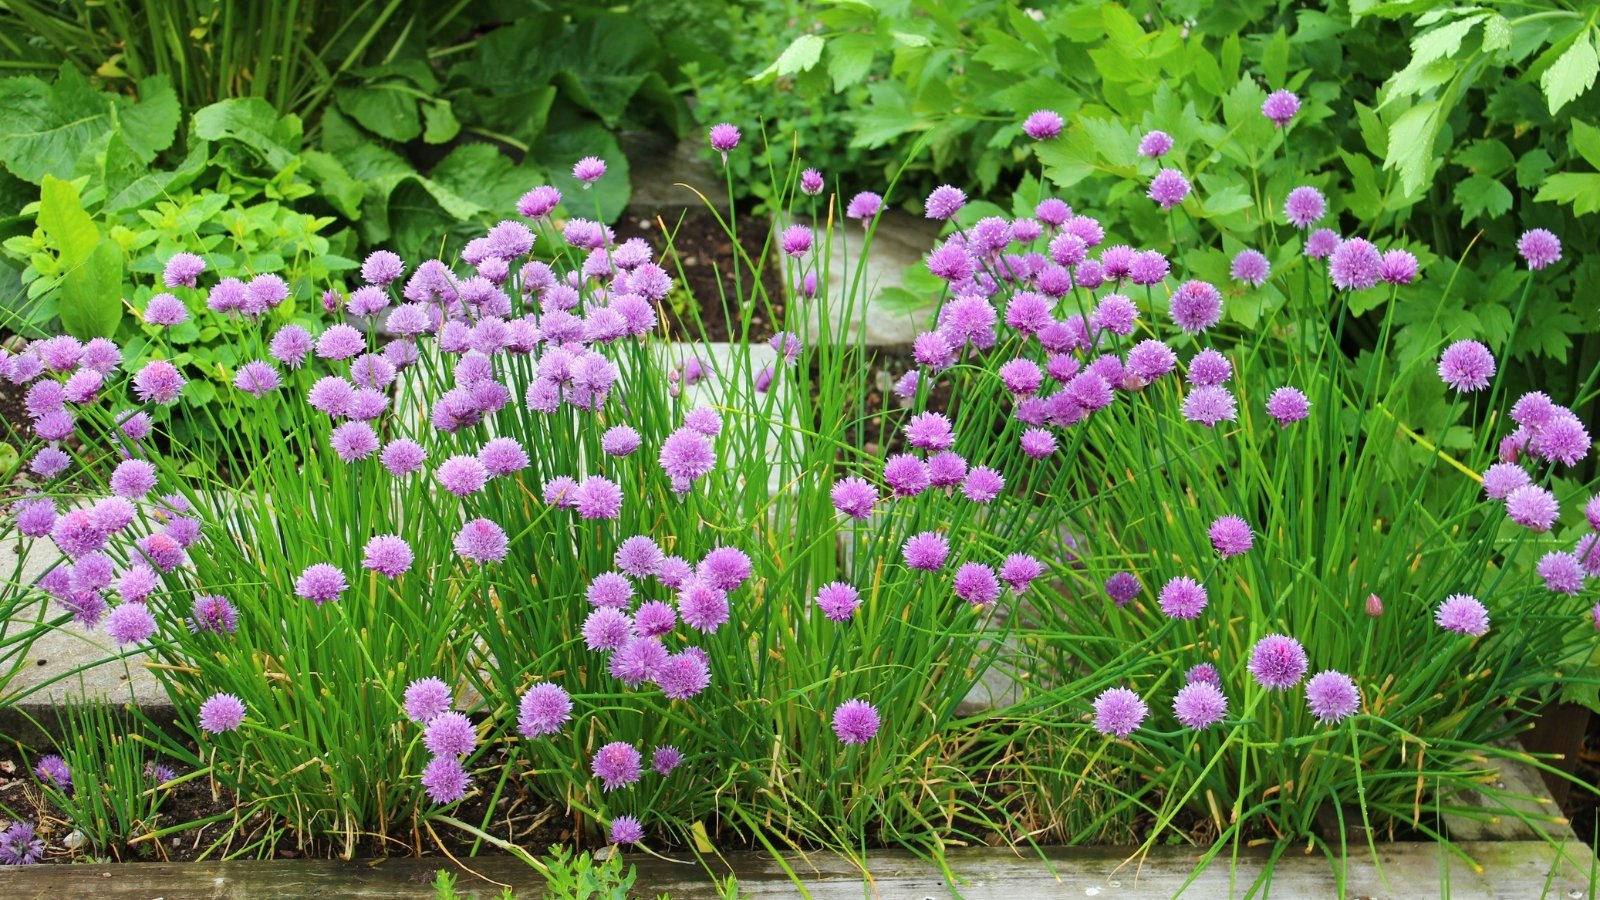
x=696 y=250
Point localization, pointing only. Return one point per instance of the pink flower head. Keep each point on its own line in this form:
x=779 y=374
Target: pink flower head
x=1043 y=125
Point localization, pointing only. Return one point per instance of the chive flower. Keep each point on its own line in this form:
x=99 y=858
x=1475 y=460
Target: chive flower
x=1332 y=697
x=1122 y=587
x=926 y=551
x=976 y=583
x=1168 y=188
x=811 y=182
x=597 y=498
x=158 y=382
x=1532 y=507
x=1280 y=106
x=1539 y=248
x=944 y=202
x=665 y=758
x=626 y=830
x=1155 y=144
x=18 y=846
x=855 y=722
x=607 y=628
x=543 y=710
x=1209 y=367
x=320 y=582
x=165 y=310
x=864 y=206
x=52 y=770
x=1118 y=712
x=1304 y=207
x=444 y=779
x=1230 y=536
x=1561 y=571
x=589 y=170
x=703 y=607
x=1278 y=662
x=1199 y=705
x=1196 y=306
x=982 y=484
x=1288 y=405
x=1463 y=614
x=1250 y=267
x=1182 y=598
x=1205 y=672
x=132 y=623
x=617 y=765
x=838 y=601
x=1354 y=265
x=426 y=698
x=1208 y=405
x=221 y=712
x=1321 y=243
x=1466 y=366
x=449 y=734
x=183 y=270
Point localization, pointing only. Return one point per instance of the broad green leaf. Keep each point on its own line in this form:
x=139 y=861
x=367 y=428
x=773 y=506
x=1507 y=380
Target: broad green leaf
x=1486 y=157
x=1364 y=199
x=1007 y=54
x=1411 y=144
x=70 y=230
x=1275 y=59
x=604 y=62
x=47 y=126
x=1443 y=41
x=91 y=293
x=1581 y=189
x=850 y=59
x=887 y=117
x=1496 y=33
x=570 y=140
x=1226 y=200
x=342 y=192
x=1532 y=167
x=1572 y=73
x=1586 y=140
x=798 y=57
x=442 y=125
x=251 y=121
x=387 y=109
x=1481 y=195
x=157 y=183
x=150 y=125
x=520 y=116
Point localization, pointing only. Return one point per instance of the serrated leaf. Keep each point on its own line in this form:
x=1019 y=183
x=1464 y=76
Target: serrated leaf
x=1496 y=33
x=1275 y=59
x=1586 y=140
x=1373 y=132
x=1532 y=167
x=1443 y=41
x=1479 y=195
x=1486 y=157
x=1581 y=189
x=1572 y=74
x=91 y=293
x=850 y=59
x=801 y=54
x=1411 y=140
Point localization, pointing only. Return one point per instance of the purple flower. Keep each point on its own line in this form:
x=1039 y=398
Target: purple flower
x=18 y=846
x=1038 y=443
x=427 y=698
x=724 y=568
x=1321 y=244
x=982 y=484
x=183 y=270
x=724 y=137
x=1209 y=404
x=158 y=382
x=1209 y=367
x=257 y=378
x=638 y=556
x=616 y=765
x=1118 y=712
x=796 y=240
x=445 y=780
x=930 y=431
x=854 y=497
x=462 y=475
x=665 y=759
x=1304 y=207
x=543 y=710
x=503 y=456
x=1020 y=570
x=482 y=541
x=1280 y=106
x=1332 y=696
x=944 y=202
x=838 y=601
x=1503 y=478
x=1463 y=614
x=1043 y=125
x=1151 y=359
x=131 y=623
x=626 y=829
x=341 y=342
x=165 y=310
x=1250 y=267
x=133 y=478
x=1561 y=571
x=1155 y=144
x=1397 y=267
x=687 y=454
x=538 y=203
x=1466 y=366
x=449 y=734
x=654 y=619
x=1122 y=587
x=1116 y=314
x=607 y=628
x=221 y=712
x=1533 y=507
x=290 y=345
x=1149 y=267
x=1562 y=439
x=976 y=583
x=403 y=456
x=382 y=267
x=864 y=206
x=1182 y=598
x=811 y=182
x=926 y=551
x=1231 y=536
x=53 y=771
x=320 y=582
x=1287 y=405
x=683 y=676
x=1168 y=188
x=1205 y=672
x=855 y=722
x=1199 y=705
x=1354 y=265
x=1196 y=306
x=354 y=441
x=35 y=518
x=589 y=170
x=703 y=607
x=388 y=555
x=1278 y=662
x=1539 y=248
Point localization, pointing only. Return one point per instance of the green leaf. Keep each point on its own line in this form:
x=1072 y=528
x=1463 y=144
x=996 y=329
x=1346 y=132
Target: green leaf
x=605 y=60
x=1586 y=140
x=1007 y=54
x=1572 y=74
x=516 y=58
x=1479 y=195
x=91 y=293
x=1443 y=41
x=1581 y=189
x=48 y=126
x=252 y=122
x=387 y=109
x=1365 y=200
x=1532 y=168
x=150 y=125
x=342 y=192
x=1487 y=157
x=442 y=125
x=886 y=117
x=1228 y=199
x=1275 y=59
x=69 y=229
x=1373 y=132
x=521 y=116
x=798 y=57
x=1496 y=33
x=1411 y=140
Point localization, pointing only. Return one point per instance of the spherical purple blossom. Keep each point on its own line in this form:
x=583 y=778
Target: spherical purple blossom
x=1116 y=314
x=1287 y=405
x=402 y=456
x=930 y=431
x=503 y=456
x=354 y=441
x=220 y=713
x=1322 y=243
x=944 y=202
x=55 y=426
x=544 y=708
x=1209 y=367
x=626 y=829
x=482 y=541
x=1209 y=404
x=683 y=676
x=387 y=555
x=444 y=779
x=1118 y=712
x=320 y=582
x=1539 y=248
x=449 y=734
x=130 y=623
x=811 y=182
x=1591 y=512
x=724 y=137
x=1168 y=188
x=538 y=203
x=617 y=765
x=665 y=759
x=610 y=590
x=1019 y=570
x=1038 y=443
x=926 y=551
x=183 y=270
x=1561 y=572
x=462 y=475
x=855 y=722
x=290 y=345
x=1021 y=376
x=1149 y=267
x=796 y=240
x=158 y=382
x=427 y=698
x=1462 y=614
x=982 y=484
x=589 y=170
x=976 y=583
x=703 y=607
x=1155 y=144
x=1280 y=106
x=1562 y=439
x=1397 y=267
x=1043 y=125
x=1466 y=366
x=340 y=342
x=165 y=310
x=1182 y=598
x=946 y=469
x=35 y=517
x=53 y=770
x=607 y=628
x=838 y=601
x=257 y=378
x=1332 y=696
x=1231 y=536
x=1122 y=587
x=1354 y=265
x=724 y=568
x=687 y=454
x=1503 y=478
x=1199 y=705
x=1204 y=672
x=1278 y=662
x=1250 y=267
x=1532 y=507
x=638 y=556
x=18 y=846
x=1304 y=207
x=1196 y=306
x=655 y=619
x=1151 y=359
x=864 y=206
x=854 y=497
